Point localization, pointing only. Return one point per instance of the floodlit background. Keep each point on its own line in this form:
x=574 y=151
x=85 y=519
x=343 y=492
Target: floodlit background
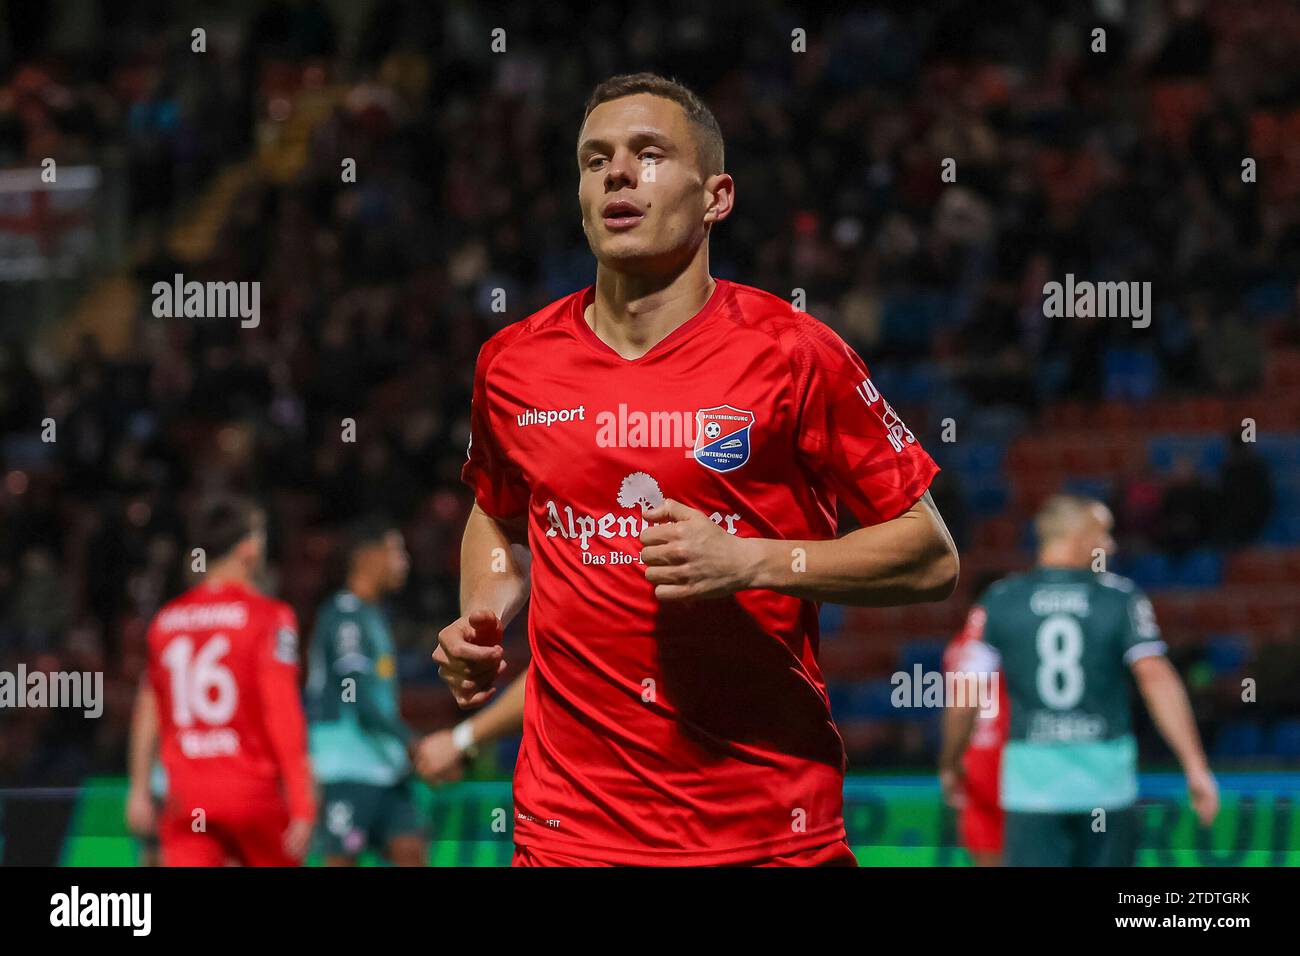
x=1173 y=157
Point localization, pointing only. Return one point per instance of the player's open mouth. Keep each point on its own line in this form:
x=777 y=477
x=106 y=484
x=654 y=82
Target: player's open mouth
x=621 y=214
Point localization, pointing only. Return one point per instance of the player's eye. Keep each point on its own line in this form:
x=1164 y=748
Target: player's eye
x=594 y=162
x=650 y=156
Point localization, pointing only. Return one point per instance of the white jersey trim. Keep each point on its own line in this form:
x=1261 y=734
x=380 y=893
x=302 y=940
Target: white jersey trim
x=1145 y=649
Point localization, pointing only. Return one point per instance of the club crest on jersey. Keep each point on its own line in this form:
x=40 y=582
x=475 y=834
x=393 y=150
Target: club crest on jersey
x=722 y=437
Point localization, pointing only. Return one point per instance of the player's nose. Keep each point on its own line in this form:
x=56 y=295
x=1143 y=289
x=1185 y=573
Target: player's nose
x=621 y=171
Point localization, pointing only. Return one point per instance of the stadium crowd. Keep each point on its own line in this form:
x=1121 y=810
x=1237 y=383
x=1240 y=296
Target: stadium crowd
x=376 y=294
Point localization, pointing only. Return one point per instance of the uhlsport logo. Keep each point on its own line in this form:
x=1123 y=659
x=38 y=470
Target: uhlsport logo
x=722 y=437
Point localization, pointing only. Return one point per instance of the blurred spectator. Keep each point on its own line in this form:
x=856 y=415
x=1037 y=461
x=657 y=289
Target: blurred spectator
x=40 y=611
x=1238 y=361
x=1187 y=509
x=377 y=294
x=1138 y=510
x=1245 y=493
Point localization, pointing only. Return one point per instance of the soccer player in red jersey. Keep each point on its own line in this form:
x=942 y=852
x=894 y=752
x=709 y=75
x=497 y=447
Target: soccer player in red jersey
x=670 y=449
x=222 y=696
x=970 y=757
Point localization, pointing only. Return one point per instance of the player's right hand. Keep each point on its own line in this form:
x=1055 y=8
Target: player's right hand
x=950 y=784
x=139 y=811
x=297 y=836
x=1204 y=793
x=470 y=657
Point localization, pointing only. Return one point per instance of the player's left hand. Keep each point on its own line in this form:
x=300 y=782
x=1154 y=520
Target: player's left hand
x=437 y=759
x=687 y=555
x=952 y=786
x=140 y=817
x=1204 y=791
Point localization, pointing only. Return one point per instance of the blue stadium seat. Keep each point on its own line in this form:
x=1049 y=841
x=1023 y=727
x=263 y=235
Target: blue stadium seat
x=1052 y=375
x=1099 y=488
x=838 y=693
x=906 y=320
x=1286 y=485
x=1000 y=423
x=1282 y=452
x=981 y=467
x=831 y=619
x=864 y=699
x=1239 y=739
x=905 y=385
x=1283 y=528
x=888 y=377
x=972 y=457
x=921 y=381
x=1202 y=568
x=508 y=751
x=1269 y=298
x=1226 y=653
x=1207 y=451
x=1150 y=571
x=986 y=497
x=929 y=654
x=872 y=699
x=1199 y=569
x=1129 y=374
x=931 y=730
x=1284 y=741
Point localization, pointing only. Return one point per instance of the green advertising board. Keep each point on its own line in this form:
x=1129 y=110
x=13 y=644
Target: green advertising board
x=891 y=820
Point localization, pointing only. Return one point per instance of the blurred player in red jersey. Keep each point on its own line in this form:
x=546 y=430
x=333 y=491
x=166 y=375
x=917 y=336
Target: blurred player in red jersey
x=671 y=449
x=970 y=756
x=222 y=696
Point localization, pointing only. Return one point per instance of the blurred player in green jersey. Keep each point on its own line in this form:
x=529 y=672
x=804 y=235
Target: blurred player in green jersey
x=360 y=746
x=1066 y=638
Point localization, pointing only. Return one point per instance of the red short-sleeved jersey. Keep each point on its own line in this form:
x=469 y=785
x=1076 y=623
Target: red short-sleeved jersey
x=223 y=664
x=663 y=732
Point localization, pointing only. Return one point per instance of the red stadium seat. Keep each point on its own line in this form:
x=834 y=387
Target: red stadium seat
x=1176 y=105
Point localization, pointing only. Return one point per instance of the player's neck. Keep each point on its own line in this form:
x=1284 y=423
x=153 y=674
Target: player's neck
x=633 y=313
x=225 y=575
x=364 y=588
x=1053 y=561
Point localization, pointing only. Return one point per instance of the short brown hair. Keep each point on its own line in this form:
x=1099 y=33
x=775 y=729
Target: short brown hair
x=708 y=135
x=224 y=523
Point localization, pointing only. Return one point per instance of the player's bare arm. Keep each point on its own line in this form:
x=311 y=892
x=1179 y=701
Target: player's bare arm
x=143 y=750
x=911 y=559
x=493 y=589
x=956 y=727
x=505 y=716
x=1166 y=701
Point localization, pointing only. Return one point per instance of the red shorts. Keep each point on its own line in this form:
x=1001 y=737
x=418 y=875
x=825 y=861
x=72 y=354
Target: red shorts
x=831 y=854
x=238 y=838
x=981 y=825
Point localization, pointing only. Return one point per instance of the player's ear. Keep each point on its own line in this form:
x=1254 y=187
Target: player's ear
x=721 y=191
